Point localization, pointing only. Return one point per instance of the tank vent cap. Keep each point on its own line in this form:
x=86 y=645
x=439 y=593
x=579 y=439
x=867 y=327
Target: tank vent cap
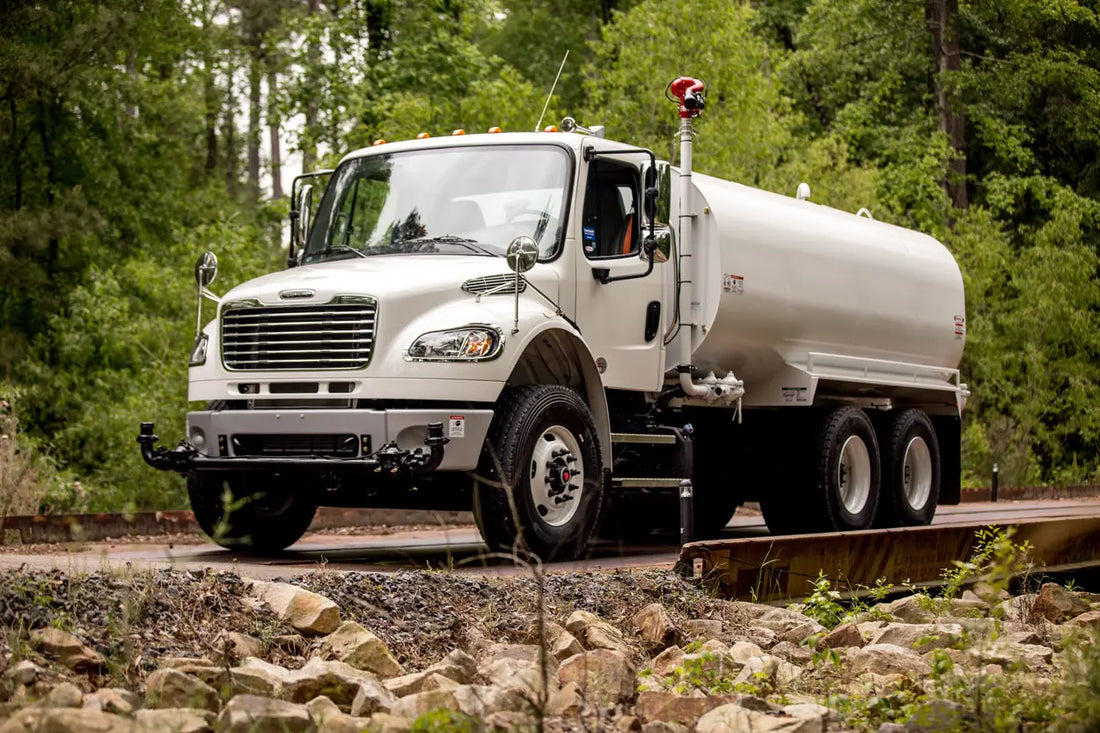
x=803 y=192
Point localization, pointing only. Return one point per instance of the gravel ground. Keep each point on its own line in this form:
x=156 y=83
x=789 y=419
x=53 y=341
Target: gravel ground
x=138 y=616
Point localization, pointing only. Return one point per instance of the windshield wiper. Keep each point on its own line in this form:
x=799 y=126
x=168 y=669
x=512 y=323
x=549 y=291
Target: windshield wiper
x=341 y=248
x=470 y=244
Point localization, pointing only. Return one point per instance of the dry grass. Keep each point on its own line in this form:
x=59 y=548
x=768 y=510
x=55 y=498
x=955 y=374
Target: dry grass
x=21 y=487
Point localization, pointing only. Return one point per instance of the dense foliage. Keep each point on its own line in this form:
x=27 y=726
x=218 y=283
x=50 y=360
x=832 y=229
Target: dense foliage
x=132 y=136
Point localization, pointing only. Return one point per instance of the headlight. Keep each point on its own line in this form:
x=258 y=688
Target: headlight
x=198 y=351
x=473 y=343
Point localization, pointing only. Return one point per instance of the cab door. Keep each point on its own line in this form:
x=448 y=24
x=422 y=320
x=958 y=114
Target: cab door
x=622 y=320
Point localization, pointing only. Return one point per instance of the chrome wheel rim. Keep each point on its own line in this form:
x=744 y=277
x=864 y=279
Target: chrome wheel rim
x=556 y=475
x=853 y=474
x=917 y=473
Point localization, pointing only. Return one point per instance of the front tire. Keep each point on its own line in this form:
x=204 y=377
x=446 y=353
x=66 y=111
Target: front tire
x=545 y=492
x=249 y=511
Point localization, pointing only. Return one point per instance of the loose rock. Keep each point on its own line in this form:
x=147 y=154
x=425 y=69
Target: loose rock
x=920 y=637
x=475 y=700
x=355 y=645
x=348 y=687
x=1087 y=620
x=735 y=719
x=595 y=633
x=656 y=626
x=24 y=672
x=254 y=714
x=112 y=700
x=671 y=708
x=68 y=649
x=887 y=659
x=170 y=688
x=604 y=676
x=702 y=628
x=842 y=636
x=65 y=720
x=305 y=611
x=1057 y=604
x=173 y=720
x=238 y=645
x=63 y=695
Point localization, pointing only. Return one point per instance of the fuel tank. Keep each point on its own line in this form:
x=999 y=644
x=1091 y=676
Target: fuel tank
x=792 y=293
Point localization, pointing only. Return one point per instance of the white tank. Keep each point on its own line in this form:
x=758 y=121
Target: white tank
x=795 y=292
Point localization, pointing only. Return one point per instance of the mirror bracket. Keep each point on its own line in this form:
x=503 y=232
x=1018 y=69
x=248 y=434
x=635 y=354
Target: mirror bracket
x=297 y=220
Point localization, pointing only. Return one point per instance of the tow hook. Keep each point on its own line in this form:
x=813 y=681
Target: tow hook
x=177 y=459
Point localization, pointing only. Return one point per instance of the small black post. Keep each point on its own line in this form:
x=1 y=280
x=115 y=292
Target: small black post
x=687 y=513
x=996 y=477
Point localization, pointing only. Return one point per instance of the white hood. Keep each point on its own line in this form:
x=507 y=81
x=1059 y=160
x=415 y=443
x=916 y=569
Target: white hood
x=382 y=276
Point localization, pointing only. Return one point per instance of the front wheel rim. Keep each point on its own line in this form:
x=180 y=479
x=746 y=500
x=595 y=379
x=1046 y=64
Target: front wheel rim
x=853 y=474
x=917 y=473
x=556 y=475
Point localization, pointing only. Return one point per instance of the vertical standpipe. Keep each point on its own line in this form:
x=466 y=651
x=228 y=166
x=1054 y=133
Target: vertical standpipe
x=689 y=93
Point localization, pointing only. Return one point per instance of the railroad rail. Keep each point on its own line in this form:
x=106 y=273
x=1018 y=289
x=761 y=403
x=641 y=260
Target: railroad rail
x=90 y=527
x=785 y=568
x=54 y=528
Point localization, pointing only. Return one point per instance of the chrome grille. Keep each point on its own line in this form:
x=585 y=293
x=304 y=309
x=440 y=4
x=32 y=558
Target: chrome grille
x=498 y=284
x=336 y=335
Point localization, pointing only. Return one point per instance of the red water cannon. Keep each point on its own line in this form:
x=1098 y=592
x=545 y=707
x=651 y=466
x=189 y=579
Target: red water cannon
x=689 y=93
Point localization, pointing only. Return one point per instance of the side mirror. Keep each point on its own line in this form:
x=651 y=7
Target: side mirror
x=301 y=208
x=522 y=254
x=305 y=213
x=206 y=269
x=651 y=192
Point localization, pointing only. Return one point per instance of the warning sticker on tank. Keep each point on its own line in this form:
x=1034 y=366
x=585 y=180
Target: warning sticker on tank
x=456 y=426
x=960 y=325
x=794 y=394
x=733 y=284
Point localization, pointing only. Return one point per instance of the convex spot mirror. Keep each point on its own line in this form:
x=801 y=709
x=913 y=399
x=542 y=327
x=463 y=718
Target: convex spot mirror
x=522 y=254
x=206 y=269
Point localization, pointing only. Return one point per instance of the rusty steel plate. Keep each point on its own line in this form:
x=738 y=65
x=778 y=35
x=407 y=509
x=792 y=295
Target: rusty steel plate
x=782 y=568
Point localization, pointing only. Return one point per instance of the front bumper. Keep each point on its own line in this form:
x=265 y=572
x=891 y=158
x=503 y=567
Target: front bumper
x=400 y=441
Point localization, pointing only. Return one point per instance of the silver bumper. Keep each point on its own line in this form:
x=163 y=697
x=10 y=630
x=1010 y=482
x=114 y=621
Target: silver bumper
x=258 y=434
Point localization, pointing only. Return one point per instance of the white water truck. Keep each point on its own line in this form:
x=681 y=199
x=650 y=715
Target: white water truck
x=558 y=330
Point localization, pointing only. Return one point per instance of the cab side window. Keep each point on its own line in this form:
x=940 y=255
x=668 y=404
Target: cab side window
x=611 y=210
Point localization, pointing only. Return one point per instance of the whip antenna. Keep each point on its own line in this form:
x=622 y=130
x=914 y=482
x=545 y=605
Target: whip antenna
x=552 y=88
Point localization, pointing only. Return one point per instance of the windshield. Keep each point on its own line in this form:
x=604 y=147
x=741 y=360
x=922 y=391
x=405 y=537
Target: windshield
x=465 y=201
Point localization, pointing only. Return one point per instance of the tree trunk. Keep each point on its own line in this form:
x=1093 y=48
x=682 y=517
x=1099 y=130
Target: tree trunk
x=273 y=125
x=48 y=113
x=943 y=22
x=16 y=154
x=230 y=133
x=309 y=149
x=255 y=77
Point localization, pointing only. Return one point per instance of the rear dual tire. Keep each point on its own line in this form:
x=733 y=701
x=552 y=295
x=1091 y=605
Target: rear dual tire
x=838 y=489
x=860 y=477
x=911 y=471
